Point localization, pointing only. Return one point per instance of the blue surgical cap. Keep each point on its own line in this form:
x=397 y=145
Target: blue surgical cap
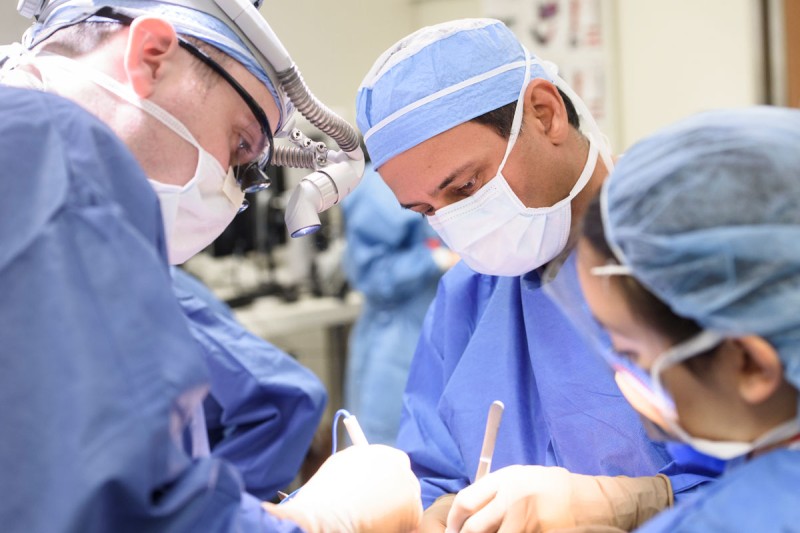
x=706 y=214
x=187 y=21
x=437 y=78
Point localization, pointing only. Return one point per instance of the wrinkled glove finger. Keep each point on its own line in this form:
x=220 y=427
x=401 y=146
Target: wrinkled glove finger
x=469 y=501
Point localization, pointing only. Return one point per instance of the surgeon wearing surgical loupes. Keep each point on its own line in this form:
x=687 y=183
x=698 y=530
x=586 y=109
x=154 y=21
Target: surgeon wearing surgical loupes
x=102 y=376
x=481 y=137
x=689 y=261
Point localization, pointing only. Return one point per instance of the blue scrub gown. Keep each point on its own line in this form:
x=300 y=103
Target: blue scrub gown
x=264 y=407
x=489 y=338
x=760 y=495
x=99 y=370
x=388 y=258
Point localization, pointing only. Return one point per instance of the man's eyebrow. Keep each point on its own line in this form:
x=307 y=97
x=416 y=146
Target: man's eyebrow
x=443 y=184
x=451 y=177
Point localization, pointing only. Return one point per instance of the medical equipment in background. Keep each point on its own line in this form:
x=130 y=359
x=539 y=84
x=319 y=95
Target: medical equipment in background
x=264 y=261
x=335 y=172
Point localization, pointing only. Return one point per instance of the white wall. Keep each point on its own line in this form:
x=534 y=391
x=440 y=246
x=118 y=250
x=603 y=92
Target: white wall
x=679 y=57
x=427 y=12
x=12 y=24
x=334 y=43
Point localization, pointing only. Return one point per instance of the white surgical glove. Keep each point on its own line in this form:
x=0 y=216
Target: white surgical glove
x=368 y=488
x=539 y=498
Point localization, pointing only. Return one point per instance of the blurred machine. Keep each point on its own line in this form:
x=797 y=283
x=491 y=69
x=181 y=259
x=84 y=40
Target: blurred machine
x=259 y=258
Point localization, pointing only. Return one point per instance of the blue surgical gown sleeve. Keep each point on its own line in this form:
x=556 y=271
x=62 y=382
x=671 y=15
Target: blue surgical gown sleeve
x=489 y=338
x=99 y=371
x=264 y=407
x=760 y=495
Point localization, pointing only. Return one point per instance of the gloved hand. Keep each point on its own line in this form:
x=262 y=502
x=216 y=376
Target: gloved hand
x=538 y=498
x=360 y=489
x=434 y=519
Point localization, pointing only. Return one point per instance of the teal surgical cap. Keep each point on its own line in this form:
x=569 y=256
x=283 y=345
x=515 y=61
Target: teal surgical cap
x=187 y=21
x=706 y=214
x=437 y=78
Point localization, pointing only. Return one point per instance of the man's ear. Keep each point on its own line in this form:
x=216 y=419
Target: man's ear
x=545 y=109
x=152 y=42
x=760 y=370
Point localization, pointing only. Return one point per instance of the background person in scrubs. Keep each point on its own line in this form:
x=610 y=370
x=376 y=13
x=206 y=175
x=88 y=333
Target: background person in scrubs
x=700 y=300
x=102 y=375
x=468 y=129
x=396 y=260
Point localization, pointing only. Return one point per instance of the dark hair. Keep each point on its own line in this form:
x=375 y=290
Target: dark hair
x=643 y=303
x=501 y=118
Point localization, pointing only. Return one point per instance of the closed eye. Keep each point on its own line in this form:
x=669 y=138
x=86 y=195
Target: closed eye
x=424 y=210
x=468 y=187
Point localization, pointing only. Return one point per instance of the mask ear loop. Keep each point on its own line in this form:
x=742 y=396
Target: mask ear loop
x=516 y=124
x=700 y=343
x=123 y=91
x=586 y=119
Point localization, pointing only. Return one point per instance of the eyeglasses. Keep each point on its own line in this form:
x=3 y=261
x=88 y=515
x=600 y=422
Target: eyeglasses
x=251 y=177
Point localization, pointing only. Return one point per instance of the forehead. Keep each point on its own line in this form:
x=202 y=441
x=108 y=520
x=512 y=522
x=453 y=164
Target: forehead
x=256 y=89
x=419 y=170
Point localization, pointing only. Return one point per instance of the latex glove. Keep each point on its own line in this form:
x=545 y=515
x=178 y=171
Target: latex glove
x=434 y=519
x=361 y=489
x=540 y=498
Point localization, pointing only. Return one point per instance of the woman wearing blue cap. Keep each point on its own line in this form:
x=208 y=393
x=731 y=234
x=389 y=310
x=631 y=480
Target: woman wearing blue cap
x=691 y=263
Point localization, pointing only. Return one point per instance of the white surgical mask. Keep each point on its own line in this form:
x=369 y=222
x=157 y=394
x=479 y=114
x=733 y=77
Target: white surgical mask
x=648 y=396
x=196 y=213
x=495 y=233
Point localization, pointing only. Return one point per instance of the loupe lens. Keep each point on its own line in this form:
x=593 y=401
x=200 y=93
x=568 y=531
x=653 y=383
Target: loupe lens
x=251 y=178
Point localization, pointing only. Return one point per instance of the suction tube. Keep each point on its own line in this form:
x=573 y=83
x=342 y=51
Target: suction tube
x=316 y=112
x=337 y=173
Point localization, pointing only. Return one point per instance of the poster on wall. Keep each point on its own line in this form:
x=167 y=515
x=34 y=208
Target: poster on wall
x=577 y=36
